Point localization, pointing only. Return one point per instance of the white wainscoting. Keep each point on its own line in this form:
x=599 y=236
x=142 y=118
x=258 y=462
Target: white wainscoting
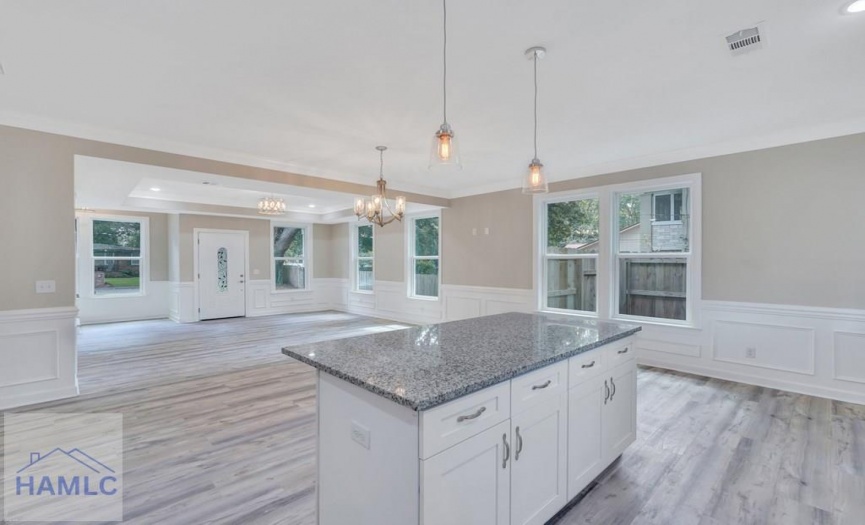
x=155 y=304
x=816 y=351
x=38 y=360
x=181 y=303
x=323 y=294
x=464 y=302
x=390 y=301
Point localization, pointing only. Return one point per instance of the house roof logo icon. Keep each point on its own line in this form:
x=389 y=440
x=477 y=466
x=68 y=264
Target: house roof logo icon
x=77 y=456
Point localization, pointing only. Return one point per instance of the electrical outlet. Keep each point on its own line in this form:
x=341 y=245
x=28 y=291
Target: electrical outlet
x=360 y=434
x=46 y=287
x=751 y=352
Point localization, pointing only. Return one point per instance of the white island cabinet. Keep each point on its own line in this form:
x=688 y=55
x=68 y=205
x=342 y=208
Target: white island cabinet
x=515 y=451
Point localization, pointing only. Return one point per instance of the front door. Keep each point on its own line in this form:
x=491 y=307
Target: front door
x=221 y=275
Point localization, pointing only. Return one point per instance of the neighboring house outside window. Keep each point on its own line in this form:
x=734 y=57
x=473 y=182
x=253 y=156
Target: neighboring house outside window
x=424 y=257
x=290 y=257
x=363 y=246
x=117 y=251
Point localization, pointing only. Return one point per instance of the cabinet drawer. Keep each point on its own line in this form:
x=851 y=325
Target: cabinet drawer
x=586 y=366
x=619 y=353
x=451 y=423
x=538 y=385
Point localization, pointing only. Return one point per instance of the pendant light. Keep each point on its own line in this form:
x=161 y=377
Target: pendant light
x=375 y=207
x=444 y=147
x=535 y=181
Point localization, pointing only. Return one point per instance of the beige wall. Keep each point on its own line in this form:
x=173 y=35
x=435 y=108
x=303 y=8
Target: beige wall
x=501 y=259
x=37 y=171
x=782 y=226
x=339 y=251
x=390 y=252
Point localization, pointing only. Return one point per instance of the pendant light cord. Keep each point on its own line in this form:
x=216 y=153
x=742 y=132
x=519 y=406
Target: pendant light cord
x=381 y=164
x=536 y=104
x=445 y=60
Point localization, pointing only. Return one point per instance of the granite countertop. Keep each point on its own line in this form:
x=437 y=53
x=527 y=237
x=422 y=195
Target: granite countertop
x=424 y=366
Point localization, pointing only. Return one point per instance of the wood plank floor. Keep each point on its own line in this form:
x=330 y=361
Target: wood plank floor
x=219 y=428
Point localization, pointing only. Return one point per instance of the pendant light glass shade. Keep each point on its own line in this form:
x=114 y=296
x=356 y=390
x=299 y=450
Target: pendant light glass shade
x=535 y=180
x=444 y=152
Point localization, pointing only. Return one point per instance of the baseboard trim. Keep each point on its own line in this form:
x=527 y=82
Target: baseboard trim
x=34 y=398
x=739 y=377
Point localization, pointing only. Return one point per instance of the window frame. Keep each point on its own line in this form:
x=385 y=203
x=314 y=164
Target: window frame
x=412 y=258
x=672 y=198
x=306 y=259
x=607 y=300
x=356 y=258
x=546 y=257
x=87 y=259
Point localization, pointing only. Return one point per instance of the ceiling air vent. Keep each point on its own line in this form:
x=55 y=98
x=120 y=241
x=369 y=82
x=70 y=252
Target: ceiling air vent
x=745 y=41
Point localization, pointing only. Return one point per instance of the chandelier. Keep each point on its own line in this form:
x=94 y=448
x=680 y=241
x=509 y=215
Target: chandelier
x=375 y=207
x=271 y=206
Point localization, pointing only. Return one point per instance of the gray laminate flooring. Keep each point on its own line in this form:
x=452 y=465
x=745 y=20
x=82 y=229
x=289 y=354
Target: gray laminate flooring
x=219 y=428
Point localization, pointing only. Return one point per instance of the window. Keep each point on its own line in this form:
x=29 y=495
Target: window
x=652 y=254
x=570 y=258
x=290 y=255
x=117 y=252
x=627 y=251
x=362 y=251
x=424 y=257
x=667 y=206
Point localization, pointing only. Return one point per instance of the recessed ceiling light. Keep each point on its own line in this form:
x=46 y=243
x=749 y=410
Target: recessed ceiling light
x=312 y=205
x=155 y=189
x=856 y=7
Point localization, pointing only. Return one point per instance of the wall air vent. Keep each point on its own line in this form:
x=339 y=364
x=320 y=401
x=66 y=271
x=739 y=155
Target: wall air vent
x=745 y=41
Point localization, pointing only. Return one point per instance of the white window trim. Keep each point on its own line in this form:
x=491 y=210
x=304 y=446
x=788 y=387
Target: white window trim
x=307 y=256
x=86 y=259
x=410 y=257
x=356 y=258
x=607 y=296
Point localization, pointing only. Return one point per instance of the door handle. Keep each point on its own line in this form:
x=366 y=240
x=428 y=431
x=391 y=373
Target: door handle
x=519 y=445
x=476 y=415
x=545 y=385
x=606 y=391
x=507 y=450
x=614 y=389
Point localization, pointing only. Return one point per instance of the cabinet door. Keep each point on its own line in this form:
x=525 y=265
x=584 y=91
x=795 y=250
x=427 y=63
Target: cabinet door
x=620 y=411
x=539 y=468
x=585 y=446
x=469 y=483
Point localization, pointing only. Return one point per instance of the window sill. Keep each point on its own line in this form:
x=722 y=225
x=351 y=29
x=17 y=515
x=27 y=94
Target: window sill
x=655 y=322
x=423 y=298
x=299 y=290
x=116 y=296
x=573 y=313
x=364 y=292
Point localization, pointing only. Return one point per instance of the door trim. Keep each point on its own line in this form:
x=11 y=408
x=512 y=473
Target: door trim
x=195 y=242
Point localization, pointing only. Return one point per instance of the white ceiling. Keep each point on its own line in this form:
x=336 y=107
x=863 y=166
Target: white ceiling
x=105 y=184
x=312 y=86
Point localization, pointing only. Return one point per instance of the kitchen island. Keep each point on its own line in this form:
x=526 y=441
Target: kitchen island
x=494 y=420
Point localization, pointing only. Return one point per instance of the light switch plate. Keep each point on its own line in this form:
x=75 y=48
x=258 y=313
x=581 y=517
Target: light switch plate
x=46 y=287
x=360 y=434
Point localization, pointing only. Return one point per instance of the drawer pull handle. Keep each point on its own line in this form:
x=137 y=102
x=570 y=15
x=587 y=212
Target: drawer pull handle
x=519 y=445
x=590 y=365
x=625 y=351
x=476 y=415
x=545 y=385
x=507 y=451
